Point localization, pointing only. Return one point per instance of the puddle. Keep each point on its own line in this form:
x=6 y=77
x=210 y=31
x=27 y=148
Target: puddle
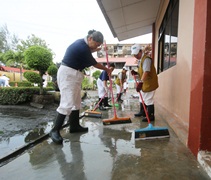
x=22 y=124
x=10 y=144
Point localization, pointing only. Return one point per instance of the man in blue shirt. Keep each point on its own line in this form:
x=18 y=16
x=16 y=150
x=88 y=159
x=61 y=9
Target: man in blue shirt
x=69 y=78
x=103 y=89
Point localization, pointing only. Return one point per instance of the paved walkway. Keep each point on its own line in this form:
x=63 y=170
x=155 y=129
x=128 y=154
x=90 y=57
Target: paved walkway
x=107 y=153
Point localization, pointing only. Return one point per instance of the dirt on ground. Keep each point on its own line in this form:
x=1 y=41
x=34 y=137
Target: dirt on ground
x=17 y=119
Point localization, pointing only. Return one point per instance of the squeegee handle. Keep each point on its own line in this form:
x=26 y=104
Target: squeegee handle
x=142 y=100
x=99 y=102
x=112 y=94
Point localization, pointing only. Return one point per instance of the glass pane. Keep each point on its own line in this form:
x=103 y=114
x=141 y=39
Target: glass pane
x=160 y=56
x=167 y=47
x=174 y=38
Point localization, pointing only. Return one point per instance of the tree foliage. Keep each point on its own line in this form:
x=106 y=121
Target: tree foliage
x=96 y=74
x=52 y=70
x=12 y=48
x=38 y=58
x=32 y=77
x=8 y=41
x=32 y=41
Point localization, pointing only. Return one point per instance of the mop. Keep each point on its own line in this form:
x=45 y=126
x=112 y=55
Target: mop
x=93 y=113
x=150 y=132
x=115 y=119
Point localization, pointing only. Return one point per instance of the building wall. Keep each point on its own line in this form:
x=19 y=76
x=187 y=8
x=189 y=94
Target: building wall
x=12 y=75
x=173 y=94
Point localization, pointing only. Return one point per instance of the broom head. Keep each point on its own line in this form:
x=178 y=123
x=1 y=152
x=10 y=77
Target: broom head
x=94 y=114
x=151 y=132
x=117 y=120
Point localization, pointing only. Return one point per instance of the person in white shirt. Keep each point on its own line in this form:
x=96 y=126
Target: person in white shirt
x=6 y=80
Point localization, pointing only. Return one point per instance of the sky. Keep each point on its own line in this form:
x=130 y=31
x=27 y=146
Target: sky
x=58 y=22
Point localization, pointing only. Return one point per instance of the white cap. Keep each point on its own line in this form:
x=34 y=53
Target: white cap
x=125 y=68
x=135 y=49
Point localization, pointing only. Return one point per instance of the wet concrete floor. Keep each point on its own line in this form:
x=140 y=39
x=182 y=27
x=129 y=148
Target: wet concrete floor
x=108 y=153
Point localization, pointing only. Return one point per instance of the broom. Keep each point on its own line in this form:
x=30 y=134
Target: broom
x=93 y=113
x=150 y=132
x=115 y=119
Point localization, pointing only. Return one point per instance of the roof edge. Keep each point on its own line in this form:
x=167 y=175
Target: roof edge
x=106 y=18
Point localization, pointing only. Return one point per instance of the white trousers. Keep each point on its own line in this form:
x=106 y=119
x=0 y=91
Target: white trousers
x=69 y=82
x=147 y=97
x=101 y=88
x=118 y=89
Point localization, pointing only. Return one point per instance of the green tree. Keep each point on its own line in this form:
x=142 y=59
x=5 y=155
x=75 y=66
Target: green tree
x=86 y=84
x=32 y=41
x=52 y=70
x=32 y=77
x=96 y=74
x=7 y=57
x=8 y=41
x=38 y=58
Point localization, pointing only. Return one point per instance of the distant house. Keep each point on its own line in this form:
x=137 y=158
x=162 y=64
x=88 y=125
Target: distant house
x=11 y=69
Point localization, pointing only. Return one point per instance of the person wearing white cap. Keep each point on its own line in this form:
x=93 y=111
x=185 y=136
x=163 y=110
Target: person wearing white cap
x=121 y=78
x=148 y=81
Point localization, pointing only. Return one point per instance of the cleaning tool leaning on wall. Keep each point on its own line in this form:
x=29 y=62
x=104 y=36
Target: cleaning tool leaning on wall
x=148 y=81
x=77 y=57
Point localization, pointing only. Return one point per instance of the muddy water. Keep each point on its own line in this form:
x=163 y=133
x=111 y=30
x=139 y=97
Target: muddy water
x=22 y=124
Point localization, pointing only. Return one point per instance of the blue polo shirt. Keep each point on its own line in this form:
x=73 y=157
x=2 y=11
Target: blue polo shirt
x=79 y=56
x=104 y=76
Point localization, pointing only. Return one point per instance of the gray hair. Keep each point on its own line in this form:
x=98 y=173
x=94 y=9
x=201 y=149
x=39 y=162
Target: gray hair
x=96 y=35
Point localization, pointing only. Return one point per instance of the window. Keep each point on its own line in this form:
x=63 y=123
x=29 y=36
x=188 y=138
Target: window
x=167 y=43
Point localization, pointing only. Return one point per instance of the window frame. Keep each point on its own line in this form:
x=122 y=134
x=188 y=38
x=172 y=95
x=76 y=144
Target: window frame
x=163 y=65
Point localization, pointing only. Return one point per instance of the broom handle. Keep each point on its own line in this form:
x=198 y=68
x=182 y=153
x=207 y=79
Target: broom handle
x=145 y=110
x=99 y=102
x=112 y=94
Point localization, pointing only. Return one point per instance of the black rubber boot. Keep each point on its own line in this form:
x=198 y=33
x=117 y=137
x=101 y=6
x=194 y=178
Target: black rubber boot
x=141 y=112
x=101 y=105
x=106 y=103
x=151 y=111
x=74 y=123
x=54 y=133
x=119 y=98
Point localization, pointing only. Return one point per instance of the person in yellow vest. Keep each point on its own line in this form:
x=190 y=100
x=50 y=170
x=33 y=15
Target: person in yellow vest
x=148 y=81
x=121 y=78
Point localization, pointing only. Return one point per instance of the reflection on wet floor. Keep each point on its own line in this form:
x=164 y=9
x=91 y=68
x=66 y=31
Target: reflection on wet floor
x=23 y=116
x=107 y=153
x=10 y=144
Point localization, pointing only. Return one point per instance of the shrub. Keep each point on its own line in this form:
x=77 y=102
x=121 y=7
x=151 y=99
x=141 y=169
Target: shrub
x=32 y=77
x=21 y=84
x=52 y=70
x=13 y=95
x=17 y=95
x=86 y=85
x=38 y=58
